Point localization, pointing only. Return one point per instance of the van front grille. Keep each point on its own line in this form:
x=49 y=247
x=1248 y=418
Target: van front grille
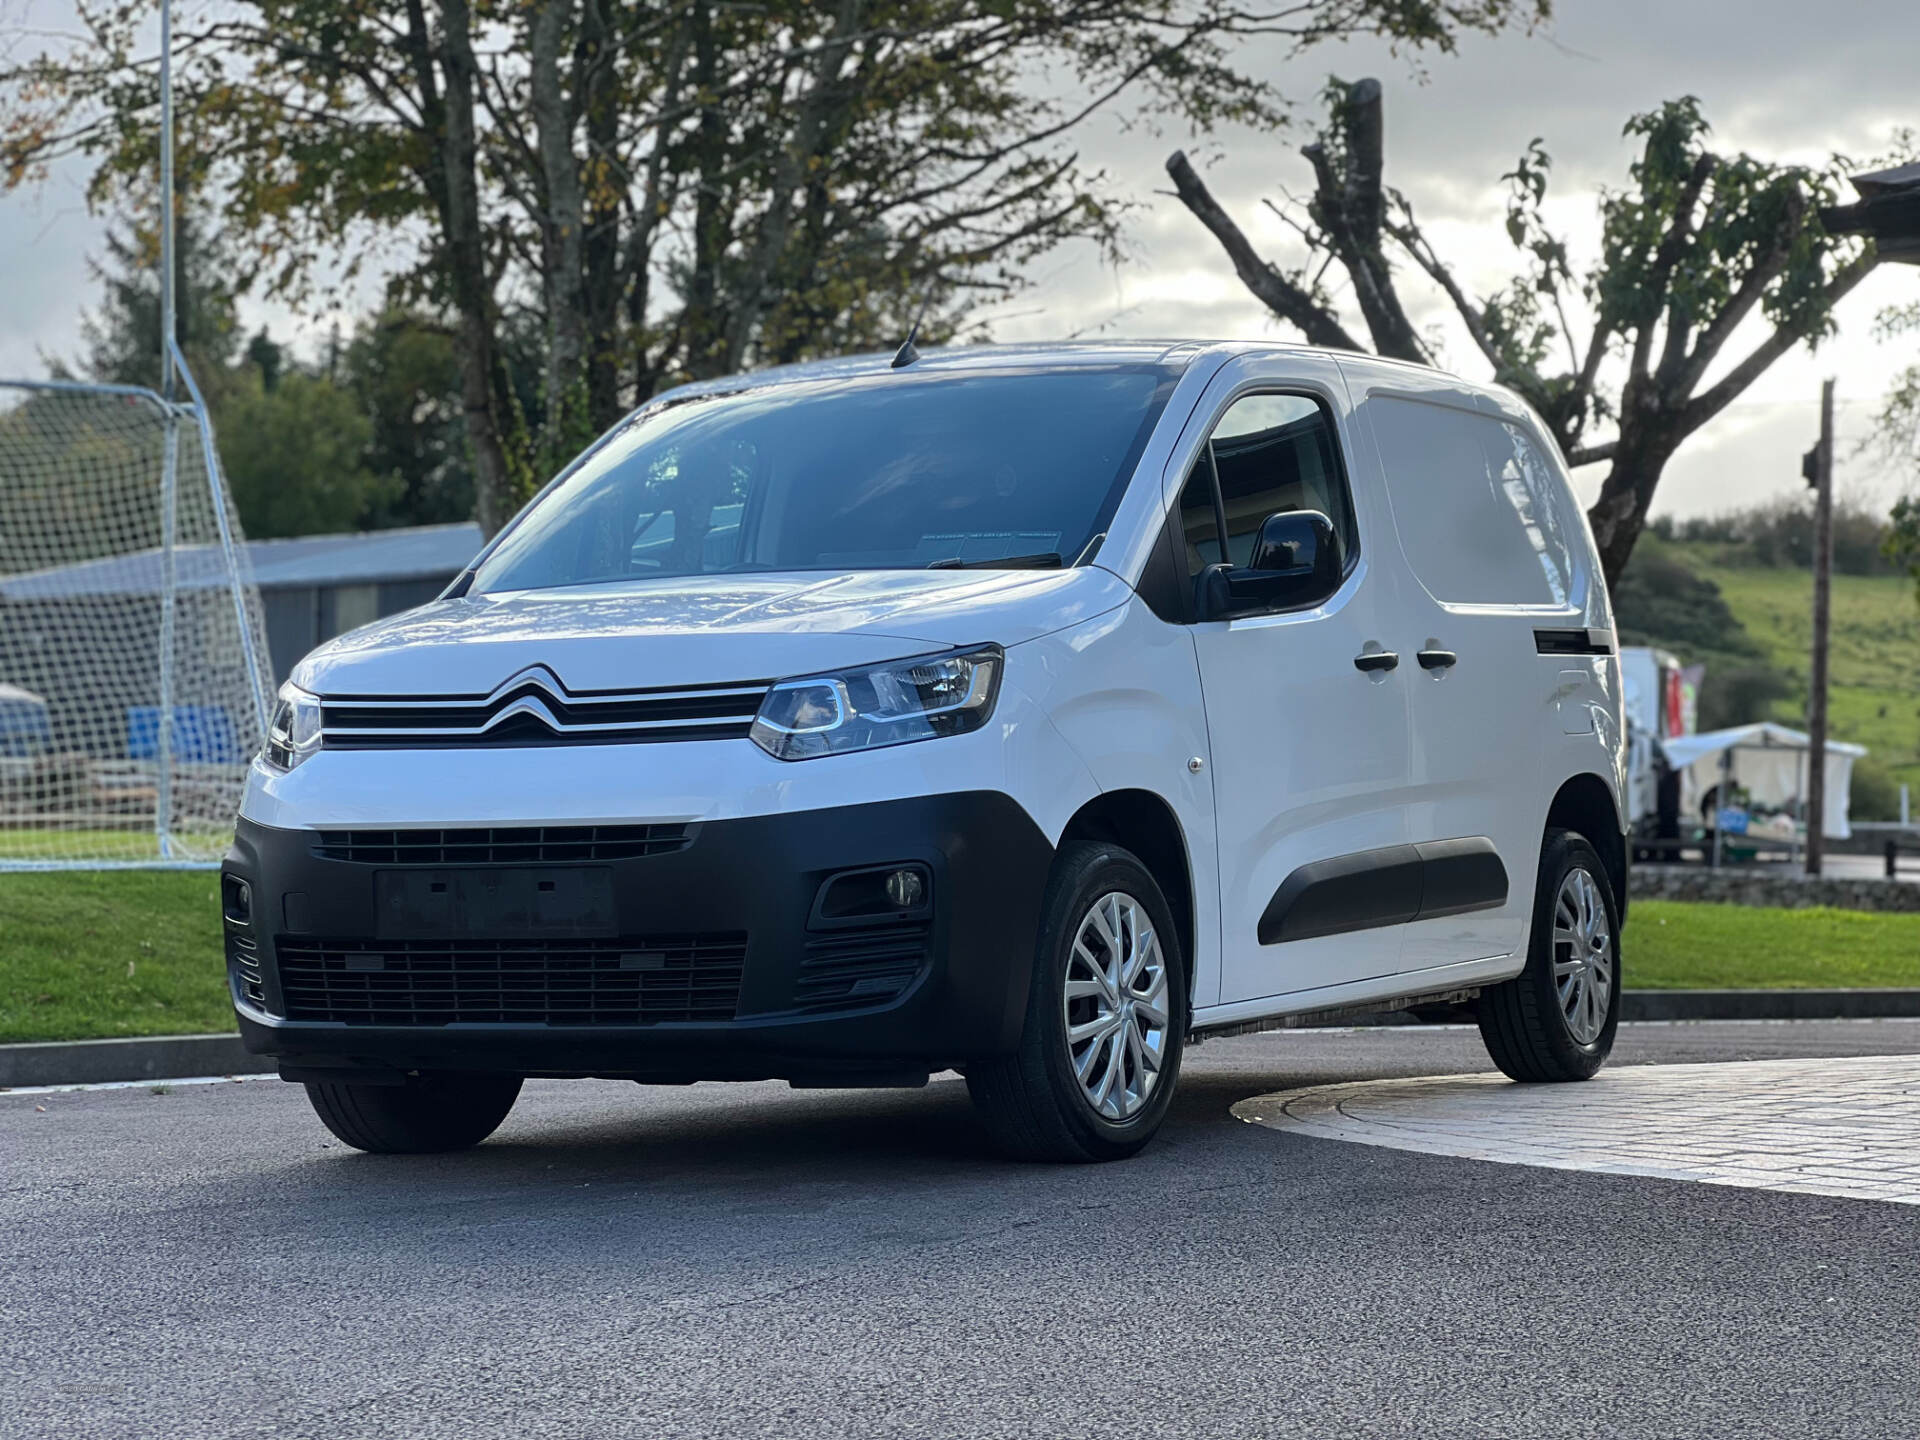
x=497 y=846
x=534 y=708
x=861 y=968
x=629 y=981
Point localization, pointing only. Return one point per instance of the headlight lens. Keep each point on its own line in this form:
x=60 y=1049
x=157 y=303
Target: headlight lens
x=891 y=704
x=294 y=733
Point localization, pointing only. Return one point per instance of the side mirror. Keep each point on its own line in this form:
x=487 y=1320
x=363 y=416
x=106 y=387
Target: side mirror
x=1295 y=562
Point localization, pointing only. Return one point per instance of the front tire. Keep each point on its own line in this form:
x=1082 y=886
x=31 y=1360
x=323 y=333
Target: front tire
x=1556 y=1019
x=1099 y=1052
x=429 y=1113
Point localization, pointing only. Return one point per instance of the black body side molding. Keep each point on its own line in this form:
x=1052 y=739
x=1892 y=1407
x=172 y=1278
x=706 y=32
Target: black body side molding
x=1390 y=886
x=1589 y=641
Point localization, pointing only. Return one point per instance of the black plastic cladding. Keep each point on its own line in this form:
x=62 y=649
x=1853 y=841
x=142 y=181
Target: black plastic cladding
x=912 y=996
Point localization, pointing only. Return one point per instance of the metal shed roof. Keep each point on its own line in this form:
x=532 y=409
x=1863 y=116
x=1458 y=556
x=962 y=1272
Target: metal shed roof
x=421 y=552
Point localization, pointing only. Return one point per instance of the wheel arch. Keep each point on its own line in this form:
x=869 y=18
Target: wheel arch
x=1145 y=824
x=1585 y=804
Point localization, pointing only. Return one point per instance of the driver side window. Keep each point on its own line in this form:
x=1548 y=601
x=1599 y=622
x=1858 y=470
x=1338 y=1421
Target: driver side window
x=1273 y=453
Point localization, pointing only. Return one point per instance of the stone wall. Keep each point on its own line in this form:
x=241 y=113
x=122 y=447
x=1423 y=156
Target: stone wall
x=1738 y=885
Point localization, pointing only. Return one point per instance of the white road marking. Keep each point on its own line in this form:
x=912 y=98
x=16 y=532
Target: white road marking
x=131 y=1084
x=1846 y=1127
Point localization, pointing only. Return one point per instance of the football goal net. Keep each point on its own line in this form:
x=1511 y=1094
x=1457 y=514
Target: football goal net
x=133 y=657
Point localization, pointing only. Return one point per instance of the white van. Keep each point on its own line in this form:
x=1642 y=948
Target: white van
x=1030 y=712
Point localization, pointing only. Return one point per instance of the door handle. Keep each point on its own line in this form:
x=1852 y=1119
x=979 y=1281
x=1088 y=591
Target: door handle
x=1372 y=660
x=1437 y=659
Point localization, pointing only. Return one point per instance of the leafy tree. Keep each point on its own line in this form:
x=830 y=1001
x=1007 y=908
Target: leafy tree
x=298 y=449
x=295 y=456
x=1896 y=435
x=402 y=369
x=1696 y=244
x=123 y=335
x=686 y=188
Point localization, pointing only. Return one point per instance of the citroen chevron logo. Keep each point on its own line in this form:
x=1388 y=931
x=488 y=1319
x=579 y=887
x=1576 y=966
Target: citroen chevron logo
x=534 y=677
x=525 y=705
x=538 y=676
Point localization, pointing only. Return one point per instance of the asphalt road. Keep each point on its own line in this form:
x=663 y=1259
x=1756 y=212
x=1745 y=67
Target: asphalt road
x=753 y=1261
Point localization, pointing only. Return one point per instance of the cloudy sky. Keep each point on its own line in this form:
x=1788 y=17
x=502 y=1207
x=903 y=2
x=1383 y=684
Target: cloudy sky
x=1781 y=78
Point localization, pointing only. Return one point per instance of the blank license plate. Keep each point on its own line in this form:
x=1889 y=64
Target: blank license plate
x=503 y=904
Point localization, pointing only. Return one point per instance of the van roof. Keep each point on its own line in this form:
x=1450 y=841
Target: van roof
x=1062 y=355
x=1036 y=355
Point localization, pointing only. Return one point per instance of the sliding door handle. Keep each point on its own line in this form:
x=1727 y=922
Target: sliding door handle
x=1372 y=660
x=1437 y=659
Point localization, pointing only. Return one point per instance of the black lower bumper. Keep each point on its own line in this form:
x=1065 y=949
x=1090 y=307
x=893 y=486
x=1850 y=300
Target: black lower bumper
x=710 y=958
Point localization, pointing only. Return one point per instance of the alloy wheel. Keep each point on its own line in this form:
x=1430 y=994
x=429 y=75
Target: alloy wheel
x=1116 y=1006
x=1582 y=956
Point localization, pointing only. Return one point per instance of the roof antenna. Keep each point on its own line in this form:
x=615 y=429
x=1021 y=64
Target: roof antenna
x=906 y=354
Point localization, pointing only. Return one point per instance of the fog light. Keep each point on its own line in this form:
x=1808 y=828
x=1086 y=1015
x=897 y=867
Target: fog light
x=879 y=895
x=236 y=897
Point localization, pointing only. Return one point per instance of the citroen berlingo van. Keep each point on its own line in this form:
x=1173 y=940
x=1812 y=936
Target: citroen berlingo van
x=1026 y=712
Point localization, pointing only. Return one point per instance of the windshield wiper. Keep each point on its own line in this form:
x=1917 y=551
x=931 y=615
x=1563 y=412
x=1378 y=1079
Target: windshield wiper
x=1045 y=560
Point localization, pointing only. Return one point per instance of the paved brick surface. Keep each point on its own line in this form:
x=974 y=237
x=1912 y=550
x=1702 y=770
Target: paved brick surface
x=1844 y=1126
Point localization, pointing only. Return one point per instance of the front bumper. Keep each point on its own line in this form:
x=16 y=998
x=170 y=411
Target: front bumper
x=738 y=896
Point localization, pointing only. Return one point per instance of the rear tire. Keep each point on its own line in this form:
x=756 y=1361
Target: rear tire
x=427 y=1114
x=1556 y=1019
x=1099 y=1052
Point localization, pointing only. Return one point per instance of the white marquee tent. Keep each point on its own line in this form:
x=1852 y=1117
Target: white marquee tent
x=1770 y=762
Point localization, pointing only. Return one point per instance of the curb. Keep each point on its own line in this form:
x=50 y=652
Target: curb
x=160 y=1057
x=1768 y=1004
x=178 y=1057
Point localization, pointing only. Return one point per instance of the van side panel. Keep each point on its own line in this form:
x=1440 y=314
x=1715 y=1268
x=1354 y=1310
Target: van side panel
x=1467 y=576
x=1583 y=731
x=1123 y=691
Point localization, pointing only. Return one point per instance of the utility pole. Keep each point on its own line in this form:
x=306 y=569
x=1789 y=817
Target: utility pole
x=168 y=300
x=1818 y=469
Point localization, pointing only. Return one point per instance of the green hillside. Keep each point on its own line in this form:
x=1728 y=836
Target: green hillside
x=1875 y=695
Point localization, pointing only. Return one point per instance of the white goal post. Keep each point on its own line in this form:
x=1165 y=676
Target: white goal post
x=133 y=657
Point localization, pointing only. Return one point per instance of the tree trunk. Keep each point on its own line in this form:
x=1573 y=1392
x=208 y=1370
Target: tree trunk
x=703 y=336
x=825 y=94
x=1649 y=435
x=562 y=228
x=1350 y=205
x=602 y=240
x=494 y=498
x=1289 y=301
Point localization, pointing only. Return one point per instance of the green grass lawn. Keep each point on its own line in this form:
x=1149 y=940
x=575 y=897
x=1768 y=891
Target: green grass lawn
x=1875 y=695
x=93 y=954
x=137 y=952
x=1674 y=946
x=39 y=843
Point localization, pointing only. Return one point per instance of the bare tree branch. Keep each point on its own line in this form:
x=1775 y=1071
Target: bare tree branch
x=1282 y=296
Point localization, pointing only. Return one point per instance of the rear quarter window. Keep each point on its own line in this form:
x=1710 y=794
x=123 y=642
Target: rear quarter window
x=1482 y=515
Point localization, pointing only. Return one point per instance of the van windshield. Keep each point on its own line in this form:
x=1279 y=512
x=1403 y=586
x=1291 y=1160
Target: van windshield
x=881 y=472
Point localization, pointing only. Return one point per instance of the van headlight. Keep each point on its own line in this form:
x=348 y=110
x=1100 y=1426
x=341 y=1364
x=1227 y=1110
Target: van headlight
x=294 y=733
x=893 y=703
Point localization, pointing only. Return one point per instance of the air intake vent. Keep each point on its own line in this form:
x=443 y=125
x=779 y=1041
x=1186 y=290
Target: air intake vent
x=518 y=846
x=860 y=969
x=244 y=955
x=641 y=981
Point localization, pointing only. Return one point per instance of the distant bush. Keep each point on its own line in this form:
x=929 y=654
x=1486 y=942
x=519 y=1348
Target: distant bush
x=1874 y=794
x=1660 y=601
x=1741 y=694
x=1779 y=535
